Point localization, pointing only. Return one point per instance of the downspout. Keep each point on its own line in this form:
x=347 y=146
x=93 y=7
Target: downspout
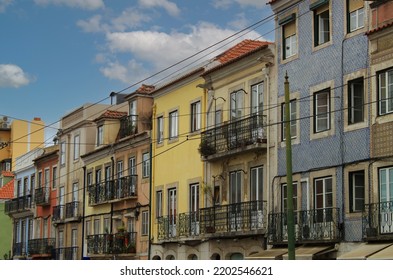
x=151 y=182
x=113 y=175
x=267 y=78
x=83 y=210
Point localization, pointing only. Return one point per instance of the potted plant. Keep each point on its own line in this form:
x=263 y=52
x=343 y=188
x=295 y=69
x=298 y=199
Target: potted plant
x=206 y=148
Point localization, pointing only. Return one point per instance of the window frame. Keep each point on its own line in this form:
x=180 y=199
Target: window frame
x=100 y=135
x=351 y=100
x=145 y=223
x=160 y=129
x=236 y=105
x=293 y=119
x=318 y=116
x=196 y=113
x=76 y=146
x=145 y=165
x=173 y=124
x=352 y=191
x=321 y=21
x=257 y=95
x=159 y=204
x=387 y=86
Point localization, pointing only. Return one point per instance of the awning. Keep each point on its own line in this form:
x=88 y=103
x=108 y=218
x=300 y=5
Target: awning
x=384 y=254
x=270 y=254
x=364 y=251
x=308 y=252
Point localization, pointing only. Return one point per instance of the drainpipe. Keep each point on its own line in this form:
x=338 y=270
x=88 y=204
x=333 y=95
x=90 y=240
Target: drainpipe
x=266 y=71
x=83 y=211
x=150 y=196
x=113 y=174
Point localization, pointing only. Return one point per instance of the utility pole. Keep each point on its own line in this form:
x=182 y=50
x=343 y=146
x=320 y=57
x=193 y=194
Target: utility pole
x=290 y=213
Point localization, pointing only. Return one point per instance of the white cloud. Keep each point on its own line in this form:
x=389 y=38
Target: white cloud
x=4 y=4
x=169 y=6
x=13 y=76
x=130 y=73
x=93 y=24
x=224 y=4
x=83 y=4
x=161 y=49
x=239 y=22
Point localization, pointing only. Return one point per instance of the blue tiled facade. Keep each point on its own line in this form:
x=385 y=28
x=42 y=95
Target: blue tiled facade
x=343 y=55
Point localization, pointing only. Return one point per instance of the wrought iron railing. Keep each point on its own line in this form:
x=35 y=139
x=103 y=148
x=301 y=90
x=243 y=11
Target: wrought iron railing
x=42 y=196
x=128 y=126
x=235 y=134
x=125 y=187
x=69 y=211
x=118 y=243
x=18 y=204
x=317 y=225
x=237 y=217
x=66 y=253
x=19 y=249
x=378 y=220
x=41 y=246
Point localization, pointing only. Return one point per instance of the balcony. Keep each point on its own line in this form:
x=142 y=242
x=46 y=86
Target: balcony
x=18 y=204
x=378 y=221
x=245 y=218
x=66 y=253
x=69 y=212
x=234 y=137
x=109 y=191
x=19 y=249
x=111 y=244
x=42 y=196
x=311 y=226
x=42 y=246
x=128 y=126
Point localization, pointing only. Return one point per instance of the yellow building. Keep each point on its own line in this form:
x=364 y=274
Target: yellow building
x=210 y=202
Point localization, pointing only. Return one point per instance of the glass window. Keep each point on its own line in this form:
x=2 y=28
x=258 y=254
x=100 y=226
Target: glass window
x=322 y=111
x=145 y=165
x=100 y=135
x=173 y=124
x=385 y=92
x=160 y=129
x=62 y=152
x=195 y=116
x=289 y=39
x=132 y=166
x=159 y=204
x=355 y=101
x=293 y=119
x=145 y=222
x=257 y=99
x=54 y=177
x=76 y=146
x=237 y=105
x=356 y=191
x=284 y=203
x=321 y=26
x=355 y=14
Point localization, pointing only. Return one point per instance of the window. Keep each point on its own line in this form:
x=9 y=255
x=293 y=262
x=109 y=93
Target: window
x=237 y=105
x=119 y=169
x=321 y=23
x=386 y=184
x=54 y=177
x=172 y=211
x=145 y=222
x=355 y=15
x=39 y=179
x=88 y=228
x=322 y=111
x=76 y=146
x=132 y=166
x=46 y=181
x=195 y=116
x=356 y=191
x=32 y=182
x=194 y=199
x=160 y=129
x=173 y=124
x=218 y=117
x=133 y=113
x=284 y=203
x=256 y=184
x=235 y=186
x=159 y=204
x=385 y=92
x=257 y=99
x=145 y=165
x=289 y=36
x=62 y=152
x=100 y=135
x=355 y=101
x=292 y=116
x=97 y=226
x=131 y=224
x=323 y=199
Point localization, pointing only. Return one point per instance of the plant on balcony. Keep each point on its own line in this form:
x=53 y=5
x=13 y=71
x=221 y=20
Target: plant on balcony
x=206 y=148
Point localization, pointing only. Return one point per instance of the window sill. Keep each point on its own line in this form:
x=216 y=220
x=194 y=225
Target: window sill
x=289 y=59
x=355 y=126
x=354 y=33
x=322 y=46
x=322 y=134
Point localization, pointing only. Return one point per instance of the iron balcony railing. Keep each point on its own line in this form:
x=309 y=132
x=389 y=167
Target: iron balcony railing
x=378 y=221
x=128 y=126
x=236 y=134
x=70 y=211
x=18 y=204
x=113 y=244
x=19 y=249
x=125 y=187
x=42 y=196
x=66 y=253
x=41 y=246
x=317 y=225
x=238 y=217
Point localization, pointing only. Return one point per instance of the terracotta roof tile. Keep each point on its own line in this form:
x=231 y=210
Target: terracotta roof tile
x=145 y=89
x=379 y=28
x=7 y=173
x=113 y=114
x=271 y=1
x=7 y=191
x=240 y=49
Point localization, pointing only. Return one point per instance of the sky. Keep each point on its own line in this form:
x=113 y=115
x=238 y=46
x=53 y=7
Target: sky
x=56 y=55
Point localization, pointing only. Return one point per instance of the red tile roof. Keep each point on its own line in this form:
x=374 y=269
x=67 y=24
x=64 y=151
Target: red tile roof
x=7 y=191
x=145 y=89
x=240 y=49
x=7 y=173
x=113 y=114
x=379 y=28
x=271 y=1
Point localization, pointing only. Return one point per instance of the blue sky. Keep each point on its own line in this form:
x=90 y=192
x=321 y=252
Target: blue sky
x=56 y=55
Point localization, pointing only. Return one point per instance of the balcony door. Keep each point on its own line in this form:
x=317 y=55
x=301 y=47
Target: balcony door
x=235 y=194
x=256 y=197
x=172 y=211
x=386 y=200
x=108 y=191
x=75 y=199
x=194 y=209
x=61 y=202
x=323 y=213
x=119 y=185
